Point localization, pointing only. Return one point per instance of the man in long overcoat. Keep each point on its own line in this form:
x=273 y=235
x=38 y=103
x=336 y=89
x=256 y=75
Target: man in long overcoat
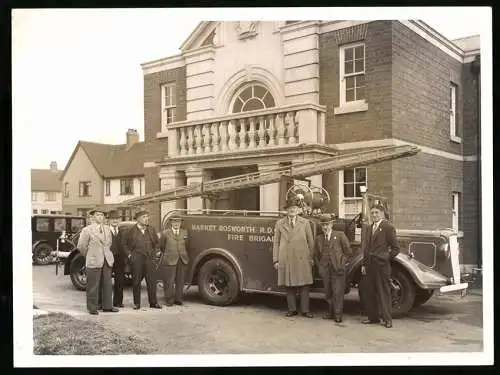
x=293 y=257
x=173 y=243
x=332 y=251
x=94 y=243
x=379 y=245
x=140 y=243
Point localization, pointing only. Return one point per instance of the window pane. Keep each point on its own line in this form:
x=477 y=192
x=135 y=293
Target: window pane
x=237 y=105
x=360 y=174
x=172 y=95
x=349 y=175
x=269 y=101
x=259 y=91
x=359 y=66
x=349 y=82
x=359 y=52
x=42 y=225
x=167 y=96
x=76 y=224
x=358 y=192
x=348 y=190
x=348 y=54
x=59 y=225
x=349 y=95
x=348 y=67
x=360 y=93
x=360 y=80
x=246 y=94
x=252 y=105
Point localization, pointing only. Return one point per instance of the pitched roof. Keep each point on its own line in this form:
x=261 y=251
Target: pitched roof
x=45 y=180
x=112 y=161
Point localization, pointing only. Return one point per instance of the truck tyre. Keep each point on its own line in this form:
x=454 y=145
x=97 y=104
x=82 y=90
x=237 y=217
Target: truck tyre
x=403 y=292
x=41 y=254
x=78 y=273
x=218 y=282
x=422 y=297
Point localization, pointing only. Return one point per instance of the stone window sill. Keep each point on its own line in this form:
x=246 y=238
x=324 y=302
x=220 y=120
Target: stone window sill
x=359 y=106
x=455 y=139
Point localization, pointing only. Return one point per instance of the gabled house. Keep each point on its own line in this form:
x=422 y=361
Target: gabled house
x=103 y=175
x=46 y=196
x=244 y=96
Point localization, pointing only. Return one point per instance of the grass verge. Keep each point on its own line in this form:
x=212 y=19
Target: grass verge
x=59 y=334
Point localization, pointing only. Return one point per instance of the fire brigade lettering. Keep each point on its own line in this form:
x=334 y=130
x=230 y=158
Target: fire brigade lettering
x=237 y=232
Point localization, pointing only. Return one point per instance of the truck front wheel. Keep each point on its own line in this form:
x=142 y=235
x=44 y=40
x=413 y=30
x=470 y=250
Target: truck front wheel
x=403 y=292
x=218 y=282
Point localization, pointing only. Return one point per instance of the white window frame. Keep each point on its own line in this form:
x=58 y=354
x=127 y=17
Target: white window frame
x=122 y=183
x=66 y=190
x=107 y=187
x=172 y=105
x=34 y=196
x=341 y=198
x=354 y=183
x=455 y=211
x=357 y=105
x=45 y=212
x=454 y=137
x=50 y=196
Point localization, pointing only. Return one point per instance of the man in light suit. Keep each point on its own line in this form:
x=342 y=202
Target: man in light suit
x=94 y=244
x=332 y=251
x=293 y=250
x=379 y=245
x=173 y=243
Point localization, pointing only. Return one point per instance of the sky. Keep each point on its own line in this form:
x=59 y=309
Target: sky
x=77 y=74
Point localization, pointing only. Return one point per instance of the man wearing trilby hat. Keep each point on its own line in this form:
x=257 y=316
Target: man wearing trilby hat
x=94 y=243
x=332 y=250
x=140 y=243
x=293 y=246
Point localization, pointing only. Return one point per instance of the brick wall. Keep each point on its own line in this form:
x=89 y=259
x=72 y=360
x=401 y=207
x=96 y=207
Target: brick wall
x=156 y=149
x=421 y=76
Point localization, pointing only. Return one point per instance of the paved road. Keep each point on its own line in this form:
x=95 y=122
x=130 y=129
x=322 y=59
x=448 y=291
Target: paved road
x=255 y=325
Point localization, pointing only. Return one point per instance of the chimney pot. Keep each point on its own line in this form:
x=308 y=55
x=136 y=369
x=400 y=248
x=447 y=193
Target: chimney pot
x=132 y=137
x=53 y=166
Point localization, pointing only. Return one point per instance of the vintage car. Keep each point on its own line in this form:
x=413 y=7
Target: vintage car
x=46 y=229
x=231 y=253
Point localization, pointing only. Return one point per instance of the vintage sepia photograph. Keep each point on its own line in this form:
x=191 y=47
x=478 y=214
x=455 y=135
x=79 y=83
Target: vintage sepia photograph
x=204 y=185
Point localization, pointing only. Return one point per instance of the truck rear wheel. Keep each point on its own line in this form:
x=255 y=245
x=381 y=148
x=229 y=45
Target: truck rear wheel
x=78 y=273
x=218 y=282
x=422 y=297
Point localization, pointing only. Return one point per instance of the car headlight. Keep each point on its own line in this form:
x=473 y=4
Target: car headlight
x=445 y=250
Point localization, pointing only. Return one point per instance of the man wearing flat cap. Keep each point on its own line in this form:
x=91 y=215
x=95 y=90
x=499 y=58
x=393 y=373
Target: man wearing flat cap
x=95 y=245
x=173 y=244
x=140 y=243
x=332 y=250
x=118 y=251
x=293 y=246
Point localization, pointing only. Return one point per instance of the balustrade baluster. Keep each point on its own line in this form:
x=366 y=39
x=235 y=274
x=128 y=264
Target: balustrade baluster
x=215 y=137
x=271 y=130
x=292 y=128
x=251 y=133
x=190 y=141
x=232 y=135
x=182 y=142
x=280 y=125
x=206 y=138
x=242 y=134
x=262 y=132
x=198 y=140
x=223 y=131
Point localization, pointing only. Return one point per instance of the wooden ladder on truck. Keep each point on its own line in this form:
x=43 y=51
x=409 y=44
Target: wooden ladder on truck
x=300 y=170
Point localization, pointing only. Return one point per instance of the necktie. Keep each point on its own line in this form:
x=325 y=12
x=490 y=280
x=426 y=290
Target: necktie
x=375 y=226
x=100 y=229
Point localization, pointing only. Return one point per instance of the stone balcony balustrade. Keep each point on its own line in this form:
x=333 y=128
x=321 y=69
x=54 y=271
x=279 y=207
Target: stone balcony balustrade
x=246 y=131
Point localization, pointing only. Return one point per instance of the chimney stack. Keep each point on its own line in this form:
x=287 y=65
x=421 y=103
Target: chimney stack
x=53 y=166
x=132 y=137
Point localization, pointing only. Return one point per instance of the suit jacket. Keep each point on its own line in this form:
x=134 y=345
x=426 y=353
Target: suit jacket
x=117 y=246
x=381 y=246
x=293 y=249
x=335 y=252
x=131 y=236
x=96 y=246
x=174 y=247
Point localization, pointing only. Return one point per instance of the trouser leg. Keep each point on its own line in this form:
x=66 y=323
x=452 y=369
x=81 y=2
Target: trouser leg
x=168 y=284
x=179 y=280
x=291 y=298
x=93 y=284
x=304 y=298
x=384 y=298
x=151 y=281
x=338 y=286
x=370 y=293
x=106 y=287
x=119 y=282
x=327 y=286
x=137 y=276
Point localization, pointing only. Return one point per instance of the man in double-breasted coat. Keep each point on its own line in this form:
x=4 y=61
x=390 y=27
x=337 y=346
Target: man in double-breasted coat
x=173 y=242
x=94 y=243
x=293 y=250
x=332 y=251
x=118 y=251
x=379 y=245
x=140 y=243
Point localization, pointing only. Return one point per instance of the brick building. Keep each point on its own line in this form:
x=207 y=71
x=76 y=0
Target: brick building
x=253 y=95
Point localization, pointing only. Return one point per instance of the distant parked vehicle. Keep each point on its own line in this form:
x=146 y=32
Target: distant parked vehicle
x=46 y=229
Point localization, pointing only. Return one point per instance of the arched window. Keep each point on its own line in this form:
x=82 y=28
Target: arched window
x=252 y=96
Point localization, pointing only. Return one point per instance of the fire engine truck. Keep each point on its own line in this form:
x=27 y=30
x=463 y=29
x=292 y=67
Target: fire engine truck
x=231 y=250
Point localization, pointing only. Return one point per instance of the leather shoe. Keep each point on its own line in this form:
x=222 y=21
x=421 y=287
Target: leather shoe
x=169 y=304
x=388 y=324
x=94 y=312
x=338 y=320
x=137 y=307
x=291 y=313
x=155 y=306
x=368 y=321
x=307 y=315
x=178 y=303
x=328 y=316
x=119 y=305
x=114 y=309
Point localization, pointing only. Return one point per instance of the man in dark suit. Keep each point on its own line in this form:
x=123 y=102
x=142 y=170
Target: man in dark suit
x=379 y=245
x=118 y=251
x=140 y=243
x=332 y=250
x=173 y=243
